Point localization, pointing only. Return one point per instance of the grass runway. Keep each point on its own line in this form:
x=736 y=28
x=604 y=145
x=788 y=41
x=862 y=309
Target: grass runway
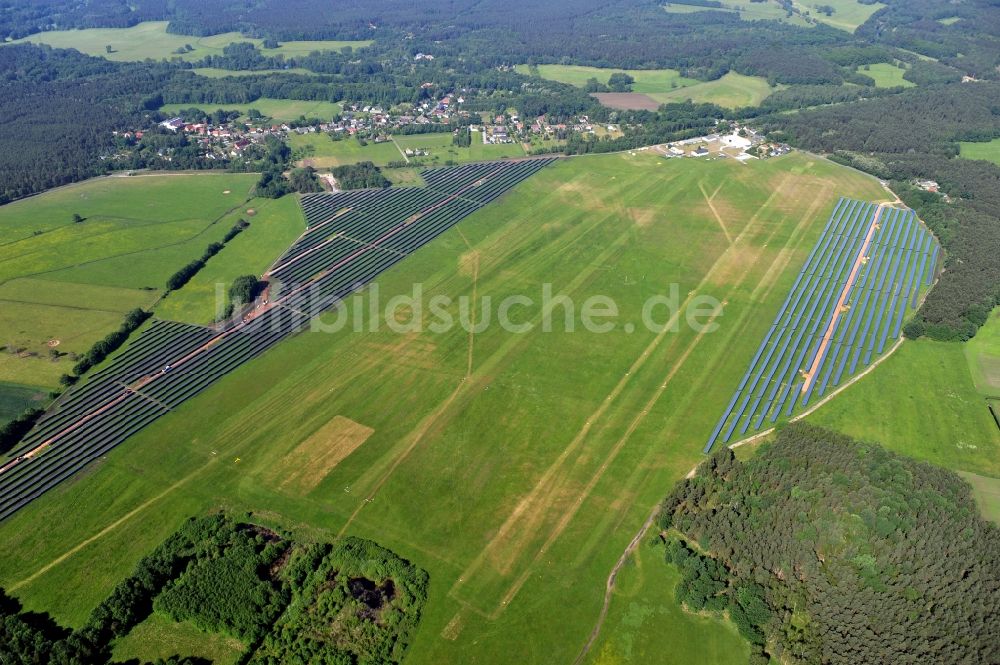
x=514 y=467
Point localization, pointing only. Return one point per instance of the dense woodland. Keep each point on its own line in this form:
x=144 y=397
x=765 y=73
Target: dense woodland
x=236 y=578
x=825 y=550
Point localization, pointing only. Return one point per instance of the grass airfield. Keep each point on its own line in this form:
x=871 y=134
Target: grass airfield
x=514 y=467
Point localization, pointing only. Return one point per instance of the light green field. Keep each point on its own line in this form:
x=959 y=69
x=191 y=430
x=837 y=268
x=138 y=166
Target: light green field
x=847 y=15
x=646 y=80
x=951 y=20
x=982 y=353
x=159 y=637
x=886 y=75
x=645 y=622
x=15 y=399
x=281 y=110
x=151 y=40
x=515 y=468
x=748 y=11
x=72 y=283
x=732 y=91
x=987 y=494
x=987 y=150
x=274 y=227
x=921 y=402
x=320 y=151
x=216 y=73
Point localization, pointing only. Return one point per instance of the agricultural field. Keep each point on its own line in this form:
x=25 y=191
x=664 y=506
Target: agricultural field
x=886 y=75
x=275 y=224
x=280 y=110
x=847 y=306
x=748 y=11
x=592 y=426
x=66 y=284
x=987 y=150
x=732 y=91
x=653 y=87
x=646 y=80
x=151 y=40
x=847 y=14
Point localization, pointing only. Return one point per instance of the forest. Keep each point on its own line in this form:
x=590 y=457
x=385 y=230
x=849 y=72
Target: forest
x=822 y=549
x=237 y=578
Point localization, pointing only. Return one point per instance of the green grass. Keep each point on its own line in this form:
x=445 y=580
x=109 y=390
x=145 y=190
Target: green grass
x=15 y=399
x=982 y=353
x=646 y=80
x=748 y=11
x=274 y=227
x=216 y=73
x=645 y=624
x=73 y=282
x=921 y=402
x=151 y=40
x=987 y=150
x=160 y=637
x=847 y=15
x=987 y=494
x=281 y=110
x=319 y=150
x=576 y=428
x=886 y=75
x=667 y=85
x=732 y=91
x=951 y=20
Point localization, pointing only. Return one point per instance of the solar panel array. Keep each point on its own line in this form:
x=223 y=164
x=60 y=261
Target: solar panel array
x=351 y=238
x=877 y=260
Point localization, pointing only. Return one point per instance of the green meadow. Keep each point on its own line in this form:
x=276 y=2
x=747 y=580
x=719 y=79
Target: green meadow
x=886 y=75
x=646 y=80
x=15 y=399
x=665 y=85
x=645 y=624
x=151 y=40
x=514 y=466
x=280 y=110
x=320 y=151
x=847 y=14
x=732 y=91
x=987 y=150
x=66 y=284
x=921 y=402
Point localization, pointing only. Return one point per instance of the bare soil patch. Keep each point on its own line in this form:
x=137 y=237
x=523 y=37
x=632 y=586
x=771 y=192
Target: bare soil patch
x=627 y=100
x=309 y=463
